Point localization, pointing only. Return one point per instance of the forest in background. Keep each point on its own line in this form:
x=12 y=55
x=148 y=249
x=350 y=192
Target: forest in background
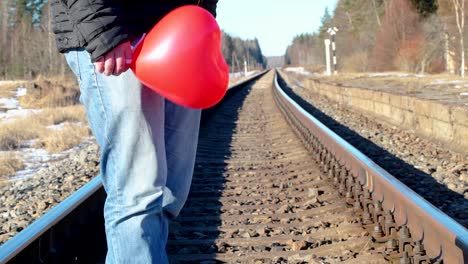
x=420 y=36
x=27 y=44
x=238 y=52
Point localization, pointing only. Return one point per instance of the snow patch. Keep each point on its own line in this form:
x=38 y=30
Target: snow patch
x=21 y=91
x=6 y=82
x=388 y=74
x=300 y=84
x=56 y=127
x=395 y=74
x=443 y=81
x=241 y=74
x=299 y=70
x=13 y=103
x=13 y=107
x=9 y=103
x=13 y=114
x=36 y=159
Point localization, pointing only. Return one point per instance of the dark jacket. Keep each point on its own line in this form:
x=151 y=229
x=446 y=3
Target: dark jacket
x=101 y=25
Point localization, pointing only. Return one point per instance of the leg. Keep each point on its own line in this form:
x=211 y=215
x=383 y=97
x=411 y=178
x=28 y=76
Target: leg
x=181 y=134
x=127 y=120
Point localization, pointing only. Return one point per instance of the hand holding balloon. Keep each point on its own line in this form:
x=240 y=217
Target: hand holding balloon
x=115 y=61
x=181 y=58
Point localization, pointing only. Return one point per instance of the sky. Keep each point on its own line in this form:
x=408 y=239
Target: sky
x=273 y=22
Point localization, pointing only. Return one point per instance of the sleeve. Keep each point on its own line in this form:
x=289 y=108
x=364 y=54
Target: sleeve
x=209 y=5
x=99 y=23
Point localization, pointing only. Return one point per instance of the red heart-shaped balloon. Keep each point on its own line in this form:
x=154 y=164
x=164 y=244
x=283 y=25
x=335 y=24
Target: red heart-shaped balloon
x=181 y=58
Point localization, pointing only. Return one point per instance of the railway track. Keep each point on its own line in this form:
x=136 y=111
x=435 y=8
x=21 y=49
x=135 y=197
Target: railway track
x=259 y=196
x=262 y=194
x=425 y=166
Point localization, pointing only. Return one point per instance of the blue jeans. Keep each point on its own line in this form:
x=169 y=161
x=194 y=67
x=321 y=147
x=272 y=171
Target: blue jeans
x=148 y=147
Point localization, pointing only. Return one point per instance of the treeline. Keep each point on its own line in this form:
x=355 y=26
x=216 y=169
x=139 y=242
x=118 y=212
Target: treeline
x=27 y=44
x=389 y=35
x=239 y=52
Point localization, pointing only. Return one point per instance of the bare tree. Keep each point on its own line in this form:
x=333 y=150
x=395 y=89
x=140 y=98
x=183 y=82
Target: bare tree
x=4 y=33
x=459 y=6
x=435 y=45
x=376 y=13
x=399 y=38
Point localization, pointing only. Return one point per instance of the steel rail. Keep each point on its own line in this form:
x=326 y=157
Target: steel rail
x=33 y=231
x=443 y=238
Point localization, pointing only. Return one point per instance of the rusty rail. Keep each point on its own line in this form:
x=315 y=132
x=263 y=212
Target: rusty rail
x=389 y=207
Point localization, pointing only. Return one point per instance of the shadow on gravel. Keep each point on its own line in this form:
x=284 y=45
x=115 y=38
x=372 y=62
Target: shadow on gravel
x=452 y=203
x=196 y=229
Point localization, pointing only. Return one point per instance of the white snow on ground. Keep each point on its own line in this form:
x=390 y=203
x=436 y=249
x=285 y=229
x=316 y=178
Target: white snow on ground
x=13 y=103
x=21 y=91
x=13 y=108
x=61 y=125
x=241 y=74
x=236 y=74
x=6 y=82
x=395 y=74
x=9 y=103
x=35 y=159
x=443 y=81
x=388 y=74
x=14 y=114
x=300 y=84
x=299 y=70
x=56 y=127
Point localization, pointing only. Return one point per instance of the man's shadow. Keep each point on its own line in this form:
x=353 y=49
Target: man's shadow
x=198 y=226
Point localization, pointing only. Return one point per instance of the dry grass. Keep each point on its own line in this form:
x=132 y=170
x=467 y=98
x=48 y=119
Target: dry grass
x=357 y=62
x=59 y=140
x=51 y=92
x=406 y=83
x=14 y=134
x=54 y=116
x=7 y=89
x=9 y=165
x=396 y=77
x=58 y=99
x=315 y=68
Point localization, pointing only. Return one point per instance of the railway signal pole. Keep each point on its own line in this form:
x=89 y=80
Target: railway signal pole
x=245 y=67
x=327 y=56
x=332 y=31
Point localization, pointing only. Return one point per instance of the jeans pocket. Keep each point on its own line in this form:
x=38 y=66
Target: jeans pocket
x=73 y=60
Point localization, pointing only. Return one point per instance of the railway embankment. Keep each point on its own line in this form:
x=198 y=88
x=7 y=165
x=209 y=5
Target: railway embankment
x=435 y=113
x=434 y=169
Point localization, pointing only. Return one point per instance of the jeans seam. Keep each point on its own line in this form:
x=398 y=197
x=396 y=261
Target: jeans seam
x=98 y=88
x=113 y=233
x=112 y=155
x=78 y=66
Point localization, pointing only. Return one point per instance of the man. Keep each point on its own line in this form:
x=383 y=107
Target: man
x=148 y=144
